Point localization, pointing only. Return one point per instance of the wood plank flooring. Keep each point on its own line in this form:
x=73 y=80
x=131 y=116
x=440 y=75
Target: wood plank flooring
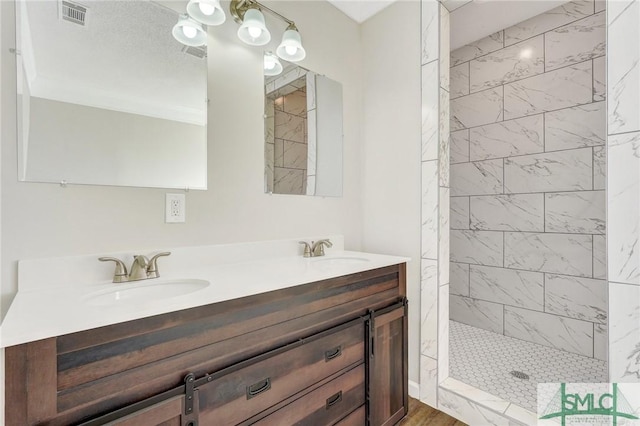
x=421 y=415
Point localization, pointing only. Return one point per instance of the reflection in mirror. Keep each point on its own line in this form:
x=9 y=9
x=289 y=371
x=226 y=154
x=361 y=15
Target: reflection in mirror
x=303 y=133
x=107 y=96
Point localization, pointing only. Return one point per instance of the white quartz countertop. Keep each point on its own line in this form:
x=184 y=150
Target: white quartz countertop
x=47 y=311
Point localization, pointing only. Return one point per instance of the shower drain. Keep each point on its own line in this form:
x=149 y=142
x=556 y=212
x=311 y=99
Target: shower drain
x=520 y=375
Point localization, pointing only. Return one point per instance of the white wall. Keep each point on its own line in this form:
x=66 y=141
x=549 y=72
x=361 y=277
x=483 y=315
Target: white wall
x=391 y=147
x=42 y=220
x=3 y=53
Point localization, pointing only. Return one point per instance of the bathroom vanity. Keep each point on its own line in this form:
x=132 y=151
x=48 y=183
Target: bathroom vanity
x=327 y=351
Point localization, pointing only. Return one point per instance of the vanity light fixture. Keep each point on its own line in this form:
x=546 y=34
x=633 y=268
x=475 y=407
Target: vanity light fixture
x=253 y=31
x=189 y=29
x=208 y=12
x=291 y=47
x=272 y=65
x=189 y=32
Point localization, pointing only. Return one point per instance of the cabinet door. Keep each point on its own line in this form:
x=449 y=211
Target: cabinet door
x=388 y=375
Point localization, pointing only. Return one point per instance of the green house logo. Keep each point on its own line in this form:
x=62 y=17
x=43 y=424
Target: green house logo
x=612 y=404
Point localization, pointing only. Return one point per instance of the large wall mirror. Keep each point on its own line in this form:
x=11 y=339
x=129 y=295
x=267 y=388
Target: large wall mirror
x=303 y=133
x=107 y=96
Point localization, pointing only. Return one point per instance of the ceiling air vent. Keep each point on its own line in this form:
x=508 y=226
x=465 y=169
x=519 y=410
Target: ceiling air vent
x=73 y=12
x=199 y=52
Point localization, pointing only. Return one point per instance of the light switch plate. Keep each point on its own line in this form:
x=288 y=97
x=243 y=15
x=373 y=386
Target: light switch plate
x=176 y=208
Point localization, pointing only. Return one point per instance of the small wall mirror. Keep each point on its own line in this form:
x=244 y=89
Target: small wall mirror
x=107 y=96
x=303 y=133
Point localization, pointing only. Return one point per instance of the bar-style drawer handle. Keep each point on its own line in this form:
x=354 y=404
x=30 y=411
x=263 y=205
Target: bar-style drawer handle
x=332 y=353
x=333 y=400
x=257 y=388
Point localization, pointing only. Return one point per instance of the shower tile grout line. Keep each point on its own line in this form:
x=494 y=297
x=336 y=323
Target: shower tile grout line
x=572 y=64
x=584 y=234
x=527 y=155
x=524 y=39
x=505 y=306
x=524 y=270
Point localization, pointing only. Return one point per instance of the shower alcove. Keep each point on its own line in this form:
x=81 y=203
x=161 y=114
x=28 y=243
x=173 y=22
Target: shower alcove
x=517 y=172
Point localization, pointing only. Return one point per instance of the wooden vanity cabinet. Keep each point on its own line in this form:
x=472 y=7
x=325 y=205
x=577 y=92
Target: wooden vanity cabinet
x=328 y=352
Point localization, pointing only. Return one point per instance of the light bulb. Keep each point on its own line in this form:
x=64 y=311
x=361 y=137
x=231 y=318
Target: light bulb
x=189 y=32
x=208 y=12
x=254 y=32
x=291 y=47
x=272 y=65
x=206 y=8
x=291 y=50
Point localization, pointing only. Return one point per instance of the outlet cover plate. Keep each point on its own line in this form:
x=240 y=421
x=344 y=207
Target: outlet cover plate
x=175 y=208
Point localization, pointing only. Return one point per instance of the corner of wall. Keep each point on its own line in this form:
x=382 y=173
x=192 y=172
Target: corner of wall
x=623 y=200
x=391 y=148
x=434 y=348
x=3 y=15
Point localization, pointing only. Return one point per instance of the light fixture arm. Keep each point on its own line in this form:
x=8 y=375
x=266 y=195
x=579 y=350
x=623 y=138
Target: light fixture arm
x=239 y=7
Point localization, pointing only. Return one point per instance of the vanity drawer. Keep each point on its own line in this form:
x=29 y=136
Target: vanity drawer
x=325 y=405
x=357 y=418
x=255 y=386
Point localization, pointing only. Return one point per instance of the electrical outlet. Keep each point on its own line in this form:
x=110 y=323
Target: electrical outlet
x=176 y=208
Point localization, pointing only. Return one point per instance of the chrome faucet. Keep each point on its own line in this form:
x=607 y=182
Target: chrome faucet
x=315 y=248
x=141 y=268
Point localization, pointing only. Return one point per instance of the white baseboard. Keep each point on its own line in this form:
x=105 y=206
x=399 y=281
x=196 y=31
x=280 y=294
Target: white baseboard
x=414 y=390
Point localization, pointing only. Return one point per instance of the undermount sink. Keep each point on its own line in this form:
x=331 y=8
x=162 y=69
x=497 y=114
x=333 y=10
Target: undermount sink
x=340 y=260
x=144 y=291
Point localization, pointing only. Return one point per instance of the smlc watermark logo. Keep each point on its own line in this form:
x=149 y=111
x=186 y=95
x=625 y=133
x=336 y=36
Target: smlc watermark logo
x=589 y=403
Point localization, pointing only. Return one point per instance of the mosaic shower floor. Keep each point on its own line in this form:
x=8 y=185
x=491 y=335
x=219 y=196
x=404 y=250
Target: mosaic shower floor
x=484 y=359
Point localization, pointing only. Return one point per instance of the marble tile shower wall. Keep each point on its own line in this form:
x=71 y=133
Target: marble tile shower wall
x=290 y=143
x=434 y=285
x=623 y=189
x=269 y=143
x=528 y=135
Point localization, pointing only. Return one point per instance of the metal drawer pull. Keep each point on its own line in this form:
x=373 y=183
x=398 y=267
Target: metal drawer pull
x=258 y=388
x=332 y=353
x=333 y=400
